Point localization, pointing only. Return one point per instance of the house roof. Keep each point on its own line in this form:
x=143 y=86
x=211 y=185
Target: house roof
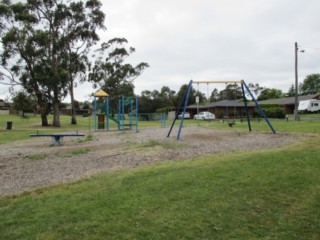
x=289 y=100
x=239 y=103
x=223 y=103
x=195 y=107
x=226 y=103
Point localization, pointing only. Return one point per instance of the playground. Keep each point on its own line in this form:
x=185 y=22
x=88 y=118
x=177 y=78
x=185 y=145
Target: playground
x=112 y=175
x=31 y=164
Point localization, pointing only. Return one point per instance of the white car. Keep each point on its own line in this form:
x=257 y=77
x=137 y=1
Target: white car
x=204 y=116
x=186 y=115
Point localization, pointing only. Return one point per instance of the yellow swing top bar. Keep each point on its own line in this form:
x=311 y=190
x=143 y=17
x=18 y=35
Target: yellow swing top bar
x=230 y=81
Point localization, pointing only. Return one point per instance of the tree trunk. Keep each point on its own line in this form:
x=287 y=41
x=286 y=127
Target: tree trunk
x=73 y=110
x=44 y=118
x=44 y=111
x=56 y=114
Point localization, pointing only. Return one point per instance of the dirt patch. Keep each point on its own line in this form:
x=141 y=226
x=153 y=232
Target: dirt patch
x=34 y=163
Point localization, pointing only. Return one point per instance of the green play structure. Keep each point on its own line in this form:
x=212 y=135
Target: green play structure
x=127 y=113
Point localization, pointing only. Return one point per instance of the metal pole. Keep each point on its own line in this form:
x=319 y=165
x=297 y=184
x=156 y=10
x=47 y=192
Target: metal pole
x=89 y=123
x=178 y=110
x=130 y=113
x=184 y=109
x=197 y=100
x=258 y=106
x=246 y=107
x=137 y=114
x=296 y=82
x=119 y=112
x=107 y=112
x=122 y=113
x=95 y=113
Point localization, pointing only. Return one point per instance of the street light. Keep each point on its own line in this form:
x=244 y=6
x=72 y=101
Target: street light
x=296 y=118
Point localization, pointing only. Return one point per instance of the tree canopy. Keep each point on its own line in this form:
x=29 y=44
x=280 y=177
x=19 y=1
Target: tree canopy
x=231 y=92
x=270 y=93
x=111 y=72
x=311 y=84
x=43 y=44
x=22 y=101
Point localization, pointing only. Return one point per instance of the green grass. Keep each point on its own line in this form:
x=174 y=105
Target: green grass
x=278 y=125
x=22 y=127
x=165 y=145
x=270 y=194
x=80 y=152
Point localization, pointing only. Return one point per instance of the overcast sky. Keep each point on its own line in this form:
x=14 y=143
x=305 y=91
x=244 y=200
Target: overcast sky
x=215 y=40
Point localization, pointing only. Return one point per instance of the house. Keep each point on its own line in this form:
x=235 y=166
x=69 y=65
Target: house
x=2 y=104
x=231 y=108
x=288 y=103
x=4 y=109
x=223 y=109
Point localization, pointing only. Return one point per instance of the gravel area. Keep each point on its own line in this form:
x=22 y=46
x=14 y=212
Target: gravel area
x=35 y=163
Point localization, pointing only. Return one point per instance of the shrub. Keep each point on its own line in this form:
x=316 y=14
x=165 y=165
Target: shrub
x=271 y=112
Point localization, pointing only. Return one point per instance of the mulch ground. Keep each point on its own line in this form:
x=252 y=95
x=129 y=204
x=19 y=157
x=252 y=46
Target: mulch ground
x=35 y=163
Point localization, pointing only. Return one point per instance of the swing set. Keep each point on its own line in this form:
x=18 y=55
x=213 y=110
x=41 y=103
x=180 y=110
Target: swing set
x=184 y=103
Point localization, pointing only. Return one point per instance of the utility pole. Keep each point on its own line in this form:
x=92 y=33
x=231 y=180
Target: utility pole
x=296 y=82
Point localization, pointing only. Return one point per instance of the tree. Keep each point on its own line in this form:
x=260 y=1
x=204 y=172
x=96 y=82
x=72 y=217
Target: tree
x=291 y=91
x=45 y=40
x=255 y=88
x=166 y=97
x=214 y=95
x=86 y=105
x=231 y=92
x=149 y=101
x=202 y=96
x=80 y=35
x=23 y=102
x=270 y=93
x=182 y=92
x=146 y=104
x=311 y=84
x=21 y=55
x=111 y=73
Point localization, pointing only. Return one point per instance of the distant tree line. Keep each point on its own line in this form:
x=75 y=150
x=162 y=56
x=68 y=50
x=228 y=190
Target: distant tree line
x=165 y=99
x=150 y=101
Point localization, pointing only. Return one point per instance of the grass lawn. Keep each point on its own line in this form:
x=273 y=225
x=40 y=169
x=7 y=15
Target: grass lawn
x=278 y=124
x=269 y=194
x=22 y=127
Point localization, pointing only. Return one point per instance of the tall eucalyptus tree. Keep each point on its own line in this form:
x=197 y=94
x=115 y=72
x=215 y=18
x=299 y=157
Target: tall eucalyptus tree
x=111 y=72
x=45 y=43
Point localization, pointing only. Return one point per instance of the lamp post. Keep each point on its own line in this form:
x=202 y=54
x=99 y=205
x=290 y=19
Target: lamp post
x=296 y=118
